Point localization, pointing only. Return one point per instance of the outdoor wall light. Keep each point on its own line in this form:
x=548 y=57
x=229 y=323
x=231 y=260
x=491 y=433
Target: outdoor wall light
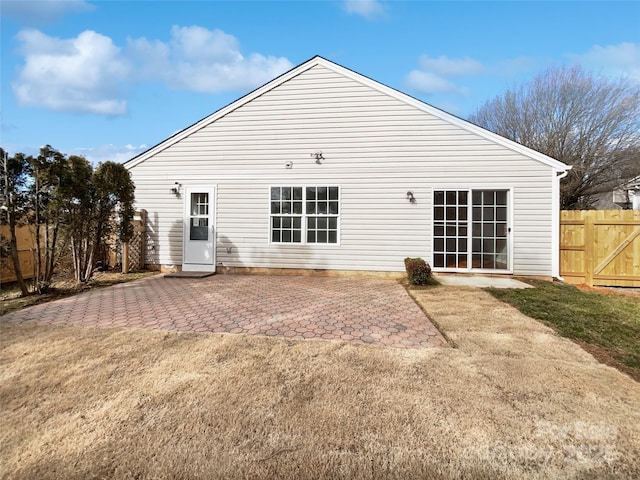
x=410 y=197
x=176 y=189
x=318 y=156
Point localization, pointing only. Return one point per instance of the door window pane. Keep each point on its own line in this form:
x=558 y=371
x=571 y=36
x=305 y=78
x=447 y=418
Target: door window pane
x=487 y=213
x=199 y=229
x=199 y=221
x=487 y=229
x=199 y=204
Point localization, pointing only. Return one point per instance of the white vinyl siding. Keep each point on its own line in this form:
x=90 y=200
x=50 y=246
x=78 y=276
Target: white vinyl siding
x=375 y=146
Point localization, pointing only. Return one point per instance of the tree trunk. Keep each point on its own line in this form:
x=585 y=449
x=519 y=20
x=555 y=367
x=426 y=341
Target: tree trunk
x=38 y=258
x=13 y=241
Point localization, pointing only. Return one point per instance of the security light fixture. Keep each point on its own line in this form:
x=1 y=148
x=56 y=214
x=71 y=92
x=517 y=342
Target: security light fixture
x=318 y=156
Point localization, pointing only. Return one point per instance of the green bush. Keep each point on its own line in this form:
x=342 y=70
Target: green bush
x=418 y=270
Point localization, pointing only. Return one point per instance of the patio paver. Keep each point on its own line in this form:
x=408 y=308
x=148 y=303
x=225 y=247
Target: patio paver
x=358 y=310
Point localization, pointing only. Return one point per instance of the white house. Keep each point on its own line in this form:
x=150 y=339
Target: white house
x=627 y=196
x=325 y=169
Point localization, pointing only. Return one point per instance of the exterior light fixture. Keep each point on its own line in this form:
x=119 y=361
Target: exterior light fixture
x=318 y=156
x=410 y=197
x=176 y=189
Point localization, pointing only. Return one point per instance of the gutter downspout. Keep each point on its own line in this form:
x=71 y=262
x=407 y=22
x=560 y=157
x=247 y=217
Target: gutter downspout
x=559 y=175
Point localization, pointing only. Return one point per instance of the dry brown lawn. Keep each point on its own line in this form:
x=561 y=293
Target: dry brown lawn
x=513 y=400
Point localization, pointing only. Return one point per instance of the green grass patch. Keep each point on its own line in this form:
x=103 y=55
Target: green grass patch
x=608 y=321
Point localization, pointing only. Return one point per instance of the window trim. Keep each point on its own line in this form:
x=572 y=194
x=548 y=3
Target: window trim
x=304 y=216
x=510 y=237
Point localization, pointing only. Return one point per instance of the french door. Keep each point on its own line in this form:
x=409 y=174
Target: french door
x=471 y=230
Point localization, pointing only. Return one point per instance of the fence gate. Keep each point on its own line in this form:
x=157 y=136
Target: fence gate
x=600 y=247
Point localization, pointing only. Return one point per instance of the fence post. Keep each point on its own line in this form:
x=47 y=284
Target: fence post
x=589 y=249
x=125 y=258
x=143 y=237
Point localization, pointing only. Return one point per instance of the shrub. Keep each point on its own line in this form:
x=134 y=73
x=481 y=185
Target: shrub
x=418 y=270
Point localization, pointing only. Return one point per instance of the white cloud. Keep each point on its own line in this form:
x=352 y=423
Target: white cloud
x=109 y=153
x=451 y=66
x=83 y=74
x=43 y=11
x=88 y=73
x=438 y=74
x=432 y=75
x=369 y=9
x=204 y=60
x=428 y=82
x=621 y=59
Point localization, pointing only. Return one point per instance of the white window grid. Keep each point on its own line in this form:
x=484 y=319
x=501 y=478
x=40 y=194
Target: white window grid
x=451 y=228
x=486 y=245
x=199 y=204
x=304 y=215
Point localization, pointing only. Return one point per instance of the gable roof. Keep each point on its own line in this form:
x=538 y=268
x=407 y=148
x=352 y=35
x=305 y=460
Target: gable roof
x=317 y=60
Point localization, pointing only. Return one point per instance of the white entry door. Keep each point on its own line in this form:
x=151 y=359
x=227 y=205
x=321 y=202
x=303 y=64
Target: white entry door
x=199 y=230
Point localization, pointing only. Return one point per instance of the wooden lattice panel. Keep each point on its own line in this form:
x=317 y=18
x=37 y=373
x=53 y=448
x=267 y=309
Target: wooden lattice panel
x=133 y=257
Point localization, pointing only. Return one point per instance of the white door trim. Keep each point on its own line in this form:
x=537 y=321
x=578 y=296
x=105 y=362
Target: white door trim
x=208 y=263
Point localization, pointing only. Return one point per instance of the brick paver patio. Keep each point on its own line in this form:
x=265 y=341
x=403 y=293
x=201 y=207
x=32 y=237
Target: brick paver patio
x=361 y=310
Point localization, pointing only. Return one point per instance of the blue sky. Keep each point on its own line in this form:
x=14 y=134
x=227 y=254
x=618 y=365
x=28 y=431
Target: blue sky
x=109 y=79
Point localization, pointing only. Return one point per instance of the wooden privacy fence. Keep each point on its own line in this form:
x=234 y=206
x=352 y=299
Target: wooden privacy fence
x=600 y=247
x=25 y=237
x=129 y=255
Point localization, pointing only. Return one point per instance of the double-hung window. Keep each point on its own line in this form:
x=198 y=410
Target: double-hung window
x=304 y=214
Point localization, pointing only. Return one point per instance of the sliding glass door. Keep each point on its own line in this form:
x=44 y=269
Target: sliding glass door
x=470 y=229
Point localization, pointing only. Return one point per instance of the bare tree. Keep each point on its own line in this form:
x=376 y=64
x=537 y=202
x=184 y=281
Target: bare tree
x=14 y=171
x=582 y=119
